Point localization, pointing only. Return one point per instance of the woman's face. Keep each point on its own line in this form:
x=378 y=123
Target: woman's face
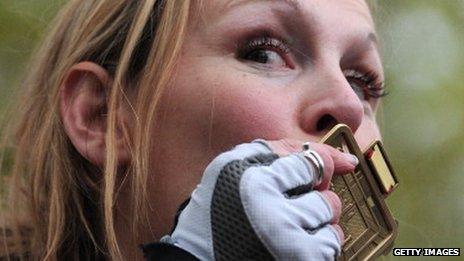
x=263 y=69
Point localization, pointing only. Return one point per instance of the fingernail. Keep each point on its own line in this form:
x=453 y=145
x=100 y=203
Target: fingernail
x=352 y=159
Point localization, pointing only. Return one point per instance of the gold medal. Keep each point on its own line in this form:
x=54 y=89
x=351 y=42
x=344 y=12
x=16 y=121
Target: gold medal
x=369 y=227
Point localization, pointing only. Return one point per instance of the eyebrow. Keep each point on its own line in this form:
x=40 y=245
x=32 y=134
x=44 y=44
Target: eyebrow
x=291 y=3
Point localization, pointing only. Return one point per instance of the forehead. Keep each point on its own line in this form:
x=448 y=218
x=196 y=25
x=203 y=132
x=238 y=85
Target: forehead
x=335 y=22
x=293 y=3
x=216 y=8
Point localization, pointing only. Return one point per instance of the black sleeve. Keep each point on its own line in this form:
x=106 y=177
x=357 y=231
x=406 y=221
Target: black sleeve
x=166 y=252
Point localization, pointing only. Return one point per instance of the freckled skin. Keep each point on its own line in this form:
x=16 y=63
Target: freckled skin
x=217 y=101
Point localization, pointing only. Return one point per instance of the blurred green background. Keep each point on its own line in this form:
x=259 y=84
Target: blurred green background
x=422 y=119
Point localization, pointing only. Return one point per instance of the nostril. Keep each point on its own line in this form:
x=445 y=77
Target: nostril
x=326 y=122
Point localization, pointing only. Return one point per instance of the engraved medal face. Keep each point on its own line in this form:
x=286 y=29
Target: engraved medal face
x=366 y=221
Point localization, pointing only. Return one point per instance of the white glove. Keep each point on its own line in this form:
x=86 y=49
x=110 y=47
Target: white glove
x=241 y=210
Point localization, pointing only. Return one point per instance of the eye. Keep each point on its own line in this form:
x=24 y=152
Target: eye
x=265 y=57
x=265 y=51
x=366 y=85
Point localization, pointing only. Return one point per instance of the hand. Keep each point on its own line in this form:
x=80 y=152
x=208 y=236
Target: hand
x=253 y=204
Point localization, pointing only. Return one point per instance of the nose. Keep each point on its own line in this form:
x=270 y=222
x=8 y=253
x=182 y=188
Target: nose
x=328 y=101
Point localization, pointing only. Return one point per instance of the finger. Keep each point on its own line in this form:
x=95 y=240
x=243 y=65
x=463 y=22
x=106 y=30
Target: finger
x=339 y=231
x=343 y=162
x=322 y=244
x=326 y=242
x=285 y=147
x=239 y=152
x=312 y=210
x=335 y=162
x=335 y=204
x=284 y=174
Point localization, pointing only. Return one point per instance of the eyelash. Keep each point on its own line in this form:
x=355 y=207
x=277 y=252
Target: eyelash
x=264 y=43
x=372 y=86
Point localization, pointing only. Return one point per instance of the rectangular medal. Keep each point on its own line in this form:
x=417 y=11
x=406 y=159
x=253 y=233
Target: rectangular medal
x=367 y=223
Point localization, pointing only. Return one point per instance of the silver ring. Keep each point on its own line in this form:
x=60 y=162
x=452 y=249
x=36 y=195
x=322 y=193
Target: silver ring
x=314 y=157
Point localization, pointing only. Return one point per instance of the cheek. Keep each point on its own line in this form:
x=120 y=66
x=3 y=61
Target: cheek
x=249 y=117
x=367 y=133
x=217 y=110
x=245 y=110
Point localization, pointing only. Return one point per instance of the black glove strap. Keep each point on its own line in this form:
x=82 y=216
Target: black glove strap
x=166 y=252
x=179 y=211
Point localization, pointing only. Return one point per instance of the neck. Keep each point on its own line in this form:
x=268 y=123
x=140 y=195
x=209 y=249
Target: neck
x=130 y=237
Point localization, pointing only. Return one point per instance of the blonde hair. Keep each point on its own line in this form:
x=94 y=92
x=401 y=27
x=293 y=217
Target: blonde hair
x=60 y=205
